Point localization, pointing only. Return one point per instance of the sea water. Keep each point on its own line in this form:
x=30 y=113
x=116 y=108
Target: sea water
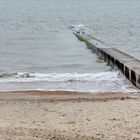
x=39 y=51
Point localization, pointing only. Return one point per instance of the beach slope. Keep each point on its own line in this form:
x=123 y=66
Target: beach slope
x=62 y=115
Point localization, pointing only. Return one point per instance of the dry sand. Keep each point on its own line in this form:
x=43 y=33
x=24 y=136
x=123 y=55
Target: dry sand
x=36 y=115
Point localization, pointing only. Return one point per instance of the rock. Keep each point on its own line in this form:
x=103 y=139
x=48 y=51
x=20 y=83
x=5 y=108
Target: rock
x=87 y=119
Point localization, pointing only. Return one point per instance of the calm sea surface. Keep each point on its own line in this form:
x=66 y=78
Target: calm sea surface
x=39 y=51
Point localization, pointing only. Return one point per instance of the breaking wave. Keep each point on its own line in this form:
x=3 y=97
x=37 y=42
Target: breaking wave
x=85 y=82
x=28 y=77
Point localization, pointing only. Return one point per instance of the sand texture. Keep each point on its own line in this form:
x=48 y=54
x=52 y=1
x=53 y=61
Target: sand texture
x=63 y=115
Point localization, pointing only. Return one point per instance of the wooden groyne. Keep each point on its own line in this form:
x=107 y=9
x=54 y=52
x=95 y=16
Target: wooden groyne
x=127 y=64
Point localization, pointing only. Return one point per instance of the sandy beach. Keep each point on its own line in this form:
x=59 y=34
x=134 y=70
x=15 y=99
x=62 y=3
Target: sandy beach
x=50 y=115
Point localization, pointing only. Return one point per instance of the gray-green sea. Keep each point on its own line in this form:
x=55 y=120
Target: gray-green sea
x=39 y=51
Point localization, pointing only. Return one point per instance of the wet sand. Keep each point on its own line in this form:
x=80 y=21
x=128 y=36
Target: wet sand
x=61 y=115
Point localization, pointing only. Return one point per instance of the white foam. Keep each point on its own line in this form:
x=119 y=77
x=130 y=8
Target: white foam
x=85 y=82
x=29 y=77
x=77 y=26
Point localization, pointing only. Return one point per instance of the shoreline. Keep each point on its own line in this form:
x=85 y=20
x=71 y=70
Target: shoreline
x=66 y=95
x=63 y=115
x=64 y=92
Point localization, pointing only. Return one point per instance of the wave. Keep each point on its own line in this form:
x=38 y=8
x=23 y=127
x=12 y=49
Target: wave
x=79 y=26
x=25 y=76
x=86 y=82
x=5 y=75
